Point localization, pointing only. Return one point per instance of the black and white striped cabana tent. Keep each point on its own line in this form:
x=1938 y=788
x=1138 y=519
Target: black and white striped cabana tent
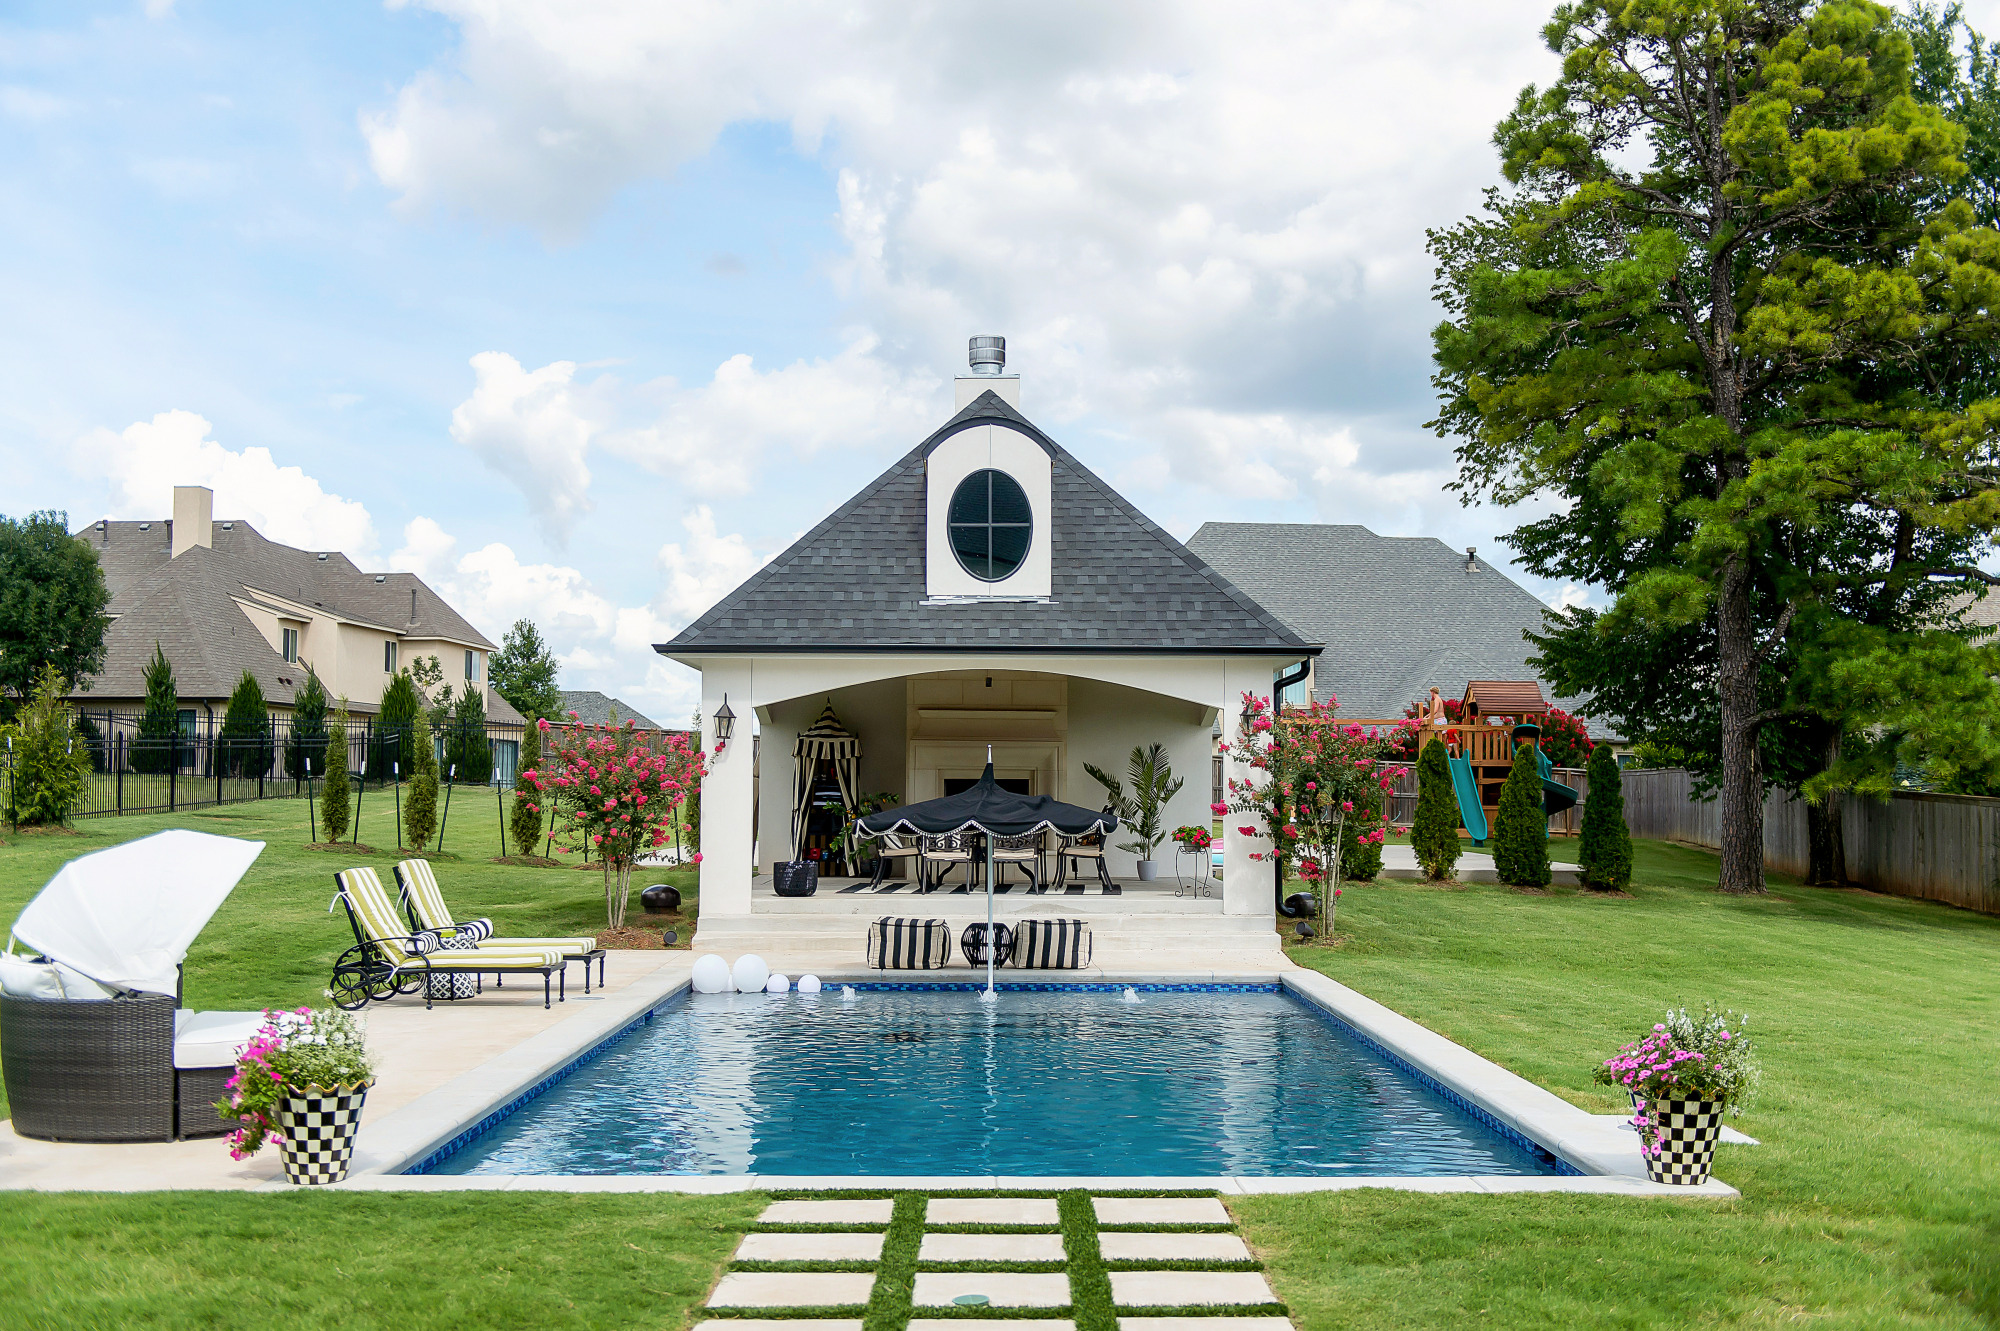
x=827 y=739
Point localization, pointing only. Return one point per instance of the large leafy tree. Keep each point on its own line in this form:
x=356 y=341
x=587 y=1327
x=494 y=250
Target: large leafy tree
x=524 y=672
x=1719 y=316
x=52 y=603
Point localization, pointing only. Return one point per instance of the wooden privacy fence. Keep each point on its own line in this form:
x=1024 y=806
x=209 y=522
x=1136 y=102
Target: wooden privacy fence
x=1931 y=847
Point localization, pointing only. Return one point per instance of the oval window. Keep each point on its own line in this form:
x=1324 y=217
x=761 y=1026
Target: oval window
x=991 y=524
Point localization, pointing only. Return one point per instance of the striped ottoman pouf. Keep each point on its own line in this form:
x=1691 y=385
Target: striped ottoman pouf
x=1050 y=945
x=319 y=1129
x=1678 y=1138
x=908 y=945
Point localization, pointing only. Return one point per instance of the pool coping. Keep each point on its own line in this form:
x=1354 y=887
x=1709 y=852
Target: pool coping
x=1602 y=1151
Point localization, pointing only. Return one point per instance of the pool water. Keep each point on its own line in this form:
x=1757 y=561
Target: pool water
x=1037 y=1083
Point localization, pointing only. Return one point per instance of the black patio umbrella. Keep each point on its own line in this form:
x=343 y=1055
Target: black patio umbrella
x=988 y=807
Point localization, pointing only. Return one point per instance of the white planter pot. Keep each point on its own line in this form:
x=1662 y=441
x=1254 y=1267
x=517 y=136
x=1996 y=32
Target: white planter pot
x=1148 y=870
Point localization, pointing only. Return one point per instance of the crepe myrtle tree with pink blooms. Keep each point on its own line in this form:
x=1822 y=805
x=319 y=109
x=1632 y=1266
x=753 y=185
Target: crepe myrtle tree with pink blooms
x=615 y=792
x=1313 y=783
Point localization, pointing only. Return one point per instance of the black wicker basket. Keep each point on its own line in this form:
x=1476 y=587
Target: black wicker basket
x=79 y=1071
x=800 y=878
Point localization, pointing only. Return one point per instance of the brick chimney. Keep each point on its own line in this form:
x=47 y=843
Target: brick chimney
x=194 y=518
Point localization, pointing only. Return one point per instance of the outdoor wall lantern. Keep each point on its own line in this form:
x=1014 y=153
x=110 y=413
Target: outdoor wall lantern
x=725 y=720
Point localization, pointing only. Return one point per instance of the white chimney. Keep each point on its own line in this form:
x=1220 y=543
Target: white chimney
x=988 y=356
x=194 y=518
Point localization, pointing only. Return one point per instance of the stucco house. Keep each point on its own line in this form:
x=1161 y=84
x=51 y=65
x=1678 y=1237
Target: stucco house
x=987 y=591
x=220 y=599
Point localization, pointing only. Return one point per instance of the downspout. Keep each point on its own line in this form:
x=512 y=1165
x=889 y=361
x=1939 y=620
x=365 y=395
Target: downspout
x=1278 y=688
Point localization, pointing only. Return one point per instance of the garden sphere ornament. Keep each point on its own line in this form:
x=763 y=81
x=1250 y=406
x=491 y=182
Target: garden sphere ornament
x=749 y=973
x=711 y=974
x=809 y=984
x=777 y=984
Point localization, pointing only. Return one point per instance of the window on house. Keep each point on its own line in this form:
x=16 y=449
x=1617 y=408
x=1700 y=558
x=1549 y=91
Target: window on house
x=389 y=657
x=291 y=637
x=471 y=666
x=991 y=524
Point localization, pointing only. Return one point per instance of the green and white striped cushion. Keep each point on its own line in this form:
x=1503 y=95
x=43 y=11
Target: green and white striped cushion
x=420 y=885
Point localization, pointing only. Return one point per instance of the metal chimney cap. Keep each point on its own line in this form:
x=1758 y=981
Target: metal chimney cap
x=987 y=354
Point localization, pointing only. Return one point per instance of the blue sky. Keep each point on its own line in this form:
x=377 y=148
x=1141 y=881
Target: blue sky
x=582 y=308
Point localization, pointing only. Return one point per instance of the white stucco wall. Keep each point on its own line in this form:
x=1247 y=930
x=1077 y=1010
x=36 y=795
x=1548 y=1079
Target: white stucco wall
x=1106 y=720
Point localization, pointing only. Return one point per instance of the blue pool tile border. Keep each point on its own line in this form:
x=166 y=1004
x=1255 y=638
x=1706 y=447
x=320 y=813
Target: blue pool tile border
x=493 y=1120
x=1557 y=1165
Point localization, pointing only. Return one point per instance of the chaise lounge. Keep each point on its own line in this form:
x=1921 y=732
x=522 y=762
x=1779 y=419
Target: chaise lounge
x=385 y=961
x=424 y=902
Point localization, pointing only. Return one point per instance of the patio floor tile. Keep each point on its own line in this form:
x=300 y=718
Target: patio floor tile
x=810 y=1248
x=828 y=1213
x=991 y=1248
x=785 y=1289
x=1172 y=1247
x=1159 y=1211
x=1004 y=1289
x=1173 y=1289
x=991 y=1211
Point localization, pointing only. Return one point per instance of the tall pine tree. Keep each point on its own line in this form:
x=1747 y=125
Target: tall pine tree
x=395 y=753
x=1434 y=831
x=156 y=748
x=420 y=802
x=466 y=748
x=1604 y=853
x=307 y=740
x=1521 y=827
x=246 y=730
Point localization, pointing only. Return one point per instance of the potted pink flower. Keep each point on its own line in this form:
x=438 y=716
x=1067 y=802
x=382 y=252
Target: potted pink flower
x=1683 y=1076
x=302 y=1079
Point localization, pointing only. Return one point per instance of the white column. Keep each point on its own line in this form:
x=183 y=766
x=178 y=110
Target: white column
x=727 y=836
x=1246 y=883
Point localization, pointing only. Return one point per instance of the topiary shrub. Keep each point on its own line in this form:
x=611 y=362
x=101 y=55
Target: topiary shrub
x=394 y=758
x=1604 y=853
x=246 y=730
x=420 y=802
x=156 y=748
x=466 y=749
x=524 y=822
x=307 y=740
x=333 y=796
x=50 y=773
x=1521 y=828
x=1434 y=831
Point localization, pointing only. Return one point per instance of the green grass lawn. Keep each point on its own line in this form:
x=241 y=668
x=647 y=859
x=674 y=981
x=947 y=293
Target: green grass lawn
x=273 y=942
x=1874 y=1200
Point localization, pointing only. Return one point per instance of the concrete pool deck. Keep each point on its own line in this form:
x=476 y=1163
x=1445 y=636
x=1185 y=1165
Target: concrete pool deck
x=442 y=1073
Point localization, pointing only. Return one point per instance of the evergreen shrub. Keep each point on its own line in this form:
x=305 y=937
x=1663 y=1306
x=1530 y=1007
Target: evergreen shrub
x=1604 y=853
x=1521 y=828
x=1434 y=831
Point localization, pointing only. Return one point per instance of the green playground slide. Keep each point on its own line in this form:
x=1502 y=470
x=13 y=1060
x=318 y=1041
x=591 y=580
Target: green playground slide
x=1555 y=795
x=1469 y=812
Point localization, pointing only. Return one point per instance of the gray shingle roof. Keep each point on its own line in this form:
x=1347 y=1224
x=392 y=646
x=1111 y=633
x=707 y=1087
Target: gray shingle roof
x=185 y=605
x=856 y=581
x=1397 y=614
x=594 y=709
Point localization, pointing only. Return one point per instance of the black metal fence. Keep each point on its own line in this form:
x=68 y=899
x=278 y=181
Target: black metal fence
x=136 y=770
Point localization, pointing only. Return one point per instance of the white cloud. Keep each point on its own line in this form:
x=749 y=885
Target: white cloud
x=533 y=428
x=158 y=9
x=1202 y=224
x=146 y=460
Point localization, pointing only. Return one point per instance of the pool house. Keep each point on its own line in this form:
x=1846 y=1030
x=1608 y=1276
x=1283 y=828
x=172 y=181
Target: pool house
x=986 y=593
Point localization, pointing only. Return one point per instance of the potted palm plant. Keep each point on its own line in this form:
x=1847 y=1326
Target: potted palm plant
x=1151 y=773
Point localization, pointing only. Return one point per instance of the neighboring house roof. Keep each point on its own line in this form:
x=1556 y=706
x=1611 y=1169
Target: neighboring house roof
x=1397 y=614
x=189 y=606
x=856 y=581
x=594 y=709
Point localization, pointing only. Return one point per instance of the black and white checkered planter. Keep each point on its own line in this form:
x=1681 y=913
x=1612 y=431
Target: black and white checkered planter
x=319 y=1130
x=1684 y=1133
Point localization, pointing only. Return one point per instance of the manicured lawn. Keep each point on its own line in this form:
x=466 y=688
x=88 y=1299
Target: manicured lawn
x=273 y=942
x=361 y=1262
x=1874 y=1200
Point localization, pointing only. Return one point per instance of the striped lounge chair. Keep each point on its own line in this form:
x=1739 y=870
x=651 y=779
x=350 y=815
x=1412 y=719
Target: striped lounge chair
x=386 y=961
x=1050 y=945
x=909 y=945
x=425 y=904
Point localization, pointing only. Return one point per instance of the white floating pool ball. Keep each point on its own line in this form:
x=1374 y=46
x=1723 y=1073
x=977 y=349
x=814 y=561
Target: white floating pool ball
x=749 y=973
x=809 y=984
x=777 y=984
x=711 y=974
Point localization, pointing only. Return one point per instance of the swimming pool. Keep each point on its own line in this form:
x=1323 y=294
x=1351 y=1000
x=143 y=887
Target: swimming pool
x=920 y=1080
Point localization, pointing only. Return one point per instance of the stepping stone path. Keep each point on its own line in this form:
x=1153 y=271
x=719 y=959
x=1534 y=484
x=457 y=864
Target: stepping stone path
x=1165 y=1264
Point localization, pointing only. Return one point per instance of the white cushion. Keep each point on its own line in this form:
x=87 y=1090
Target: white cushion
x=212 y=1039
x=22 y=978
